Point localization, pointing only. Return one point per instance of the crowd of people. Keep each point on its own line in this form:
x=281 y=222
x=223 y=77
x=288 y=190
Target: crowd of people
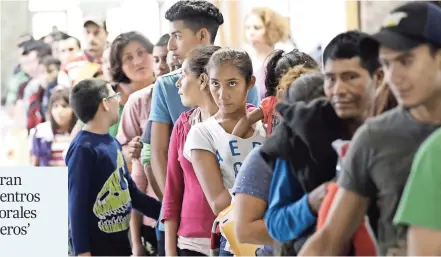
x=183 y=148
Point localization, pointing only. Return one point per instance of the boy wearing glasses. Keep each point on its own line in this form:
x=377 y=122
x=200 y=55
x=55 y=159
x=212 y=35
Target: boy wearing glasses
x=101 y=191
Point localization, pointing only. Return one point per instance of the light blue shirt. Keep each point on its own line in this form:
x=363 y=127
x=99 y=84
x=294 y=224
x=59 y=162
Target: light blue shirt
x=166 y=103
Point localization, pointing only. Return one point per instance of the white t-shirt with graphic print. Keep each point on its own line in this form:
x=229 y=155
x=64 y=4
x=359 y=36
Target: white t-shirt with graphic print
x=229 y=149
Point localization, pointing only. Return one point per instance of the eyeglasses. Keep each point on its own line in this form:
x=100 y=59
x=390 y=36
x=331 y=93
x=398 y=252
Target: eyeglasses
x=117 y=96
x=114 y=86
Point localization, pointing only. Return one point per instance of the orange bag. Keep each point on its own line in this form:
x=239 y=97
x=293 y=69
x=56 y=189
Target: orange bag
x=363 y=239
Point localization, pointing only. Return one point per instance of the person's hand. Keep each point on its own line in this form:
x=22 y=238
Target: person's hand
x=242 y=127
x=138 y=250
x=316 y=197
x=135 y=147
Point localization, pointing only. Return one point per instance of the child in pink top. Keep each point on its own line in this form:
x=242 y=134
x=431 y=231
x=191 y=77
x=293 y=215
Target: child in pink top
x=186 y=213
x=184 y=200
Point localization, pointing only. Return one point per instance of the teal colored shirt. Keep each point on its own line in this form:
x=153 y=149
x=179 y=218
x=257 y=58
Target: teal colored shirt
x=113 y=130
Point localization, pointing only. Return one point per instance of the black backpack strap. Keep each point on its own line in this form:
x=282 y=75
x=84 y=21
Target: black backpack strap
x=351 y=249
x=270 y=160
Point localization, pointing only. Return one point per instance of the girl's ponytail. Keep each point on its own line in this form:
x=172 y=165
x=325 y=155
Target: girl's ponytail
x=271 y=76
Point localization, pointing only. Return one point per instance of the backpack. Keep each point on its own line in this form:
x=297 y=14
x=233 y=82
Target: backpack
x=21 y=89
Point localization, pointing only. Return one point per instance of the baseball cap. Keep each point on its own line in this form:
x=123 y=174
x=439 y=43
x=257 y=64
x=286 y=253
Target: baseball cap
x=408 y=26
x=96 y=21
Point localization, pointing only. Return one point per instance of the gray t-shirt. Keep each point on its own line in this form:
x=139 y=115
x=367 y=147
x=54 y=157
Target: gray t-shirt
x=254 y=178
x=378 y=163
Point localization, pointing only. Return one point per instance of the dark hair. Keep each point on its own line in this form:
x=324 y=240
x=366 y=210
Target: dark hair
x=60 y=94
x=306 y=88
x=280 y=62
x=116 y=50
x=86 y=97
x=49 y=60
x=199 y=57
x=197 y=15
x=346 y=46
x=25 y=38
x=163 y=40
x=25 y=44
x=41 y=48
x=58 y=36
x=238 y=58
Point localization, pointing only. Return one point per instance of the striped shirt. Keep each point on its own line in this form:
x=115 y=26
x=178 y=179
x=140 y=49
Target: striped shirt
x=59 y=144
x=46 y=146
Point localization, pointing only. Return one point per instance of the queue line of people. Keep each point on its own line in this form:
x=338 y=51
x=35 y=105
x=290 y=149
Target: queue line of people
x=317 y=166
x=299 y=154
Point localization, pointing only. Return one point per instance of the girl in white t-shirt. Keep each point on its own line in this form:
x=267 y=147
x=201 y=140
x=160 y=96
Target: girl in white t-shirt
x=215 y=153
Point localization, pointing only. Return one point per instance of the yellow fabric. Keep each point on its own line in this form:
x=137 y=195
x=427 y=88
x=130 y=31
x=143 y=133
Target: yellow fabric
x=227 y=227
x=88 y=70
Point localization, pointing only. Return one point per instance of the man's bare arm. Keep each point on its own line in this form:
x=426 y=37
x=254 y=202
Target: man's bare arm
x=346 y=214
x=160 y=138
x=423 y=241
x=151 y=178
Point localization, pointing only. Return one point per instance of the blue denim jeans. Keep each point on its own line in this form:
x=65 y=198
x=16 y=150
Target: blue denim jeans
x=160 y=235
x=223 y=243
